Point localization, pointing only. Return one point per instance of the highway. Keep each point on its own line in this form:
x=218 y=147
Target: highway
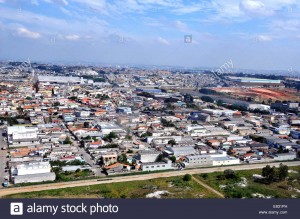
x=51 y=186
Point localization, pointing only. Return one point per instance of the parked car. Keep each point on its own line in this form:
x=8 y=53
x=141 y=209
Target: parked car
x=5 y=184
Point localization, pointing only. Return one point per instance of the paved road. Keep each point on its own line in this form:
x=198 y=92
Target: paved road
x=208 y=187
x=9 y=191
x=96 y=168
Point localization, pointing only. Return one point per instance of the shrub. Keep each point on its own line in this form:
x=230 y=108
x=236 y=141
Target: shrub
x=187 y=177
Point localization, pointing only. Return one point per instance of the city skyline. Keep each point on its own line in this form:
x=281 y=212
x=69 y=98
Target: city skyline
x=253 y=34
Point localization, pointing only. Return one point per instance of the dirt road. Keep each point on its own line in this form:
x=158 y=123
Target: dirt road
x=51 y=186
x=208 y=187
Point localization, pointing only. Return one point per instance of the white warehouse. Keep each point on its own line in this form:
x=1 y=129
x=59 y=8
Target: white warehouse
x=31 y=168
x=224 y=161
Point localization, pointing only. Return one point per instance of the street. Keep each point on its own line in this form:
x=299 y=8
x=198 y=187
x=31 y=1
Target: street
x=96 y=168
x=3 y=158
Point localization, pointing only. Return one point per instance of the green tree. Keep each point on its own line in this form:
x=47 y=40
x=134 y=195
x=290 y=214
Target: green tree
x=56 y=104
x=229 y=174
x=269 y=173
x=73 y=98
x=172 y=142
x=220 y=102
x=173 y=159
x=56 y=170
x=122 y=158
x=207 y=99
x=110 y=136
x=86 y=124
x=146 y=134
x=130 y=151
x=68 y=140
x=166 y=123
x=87 y=138
x=204 y=175
x=283 y=172
x=187 y=177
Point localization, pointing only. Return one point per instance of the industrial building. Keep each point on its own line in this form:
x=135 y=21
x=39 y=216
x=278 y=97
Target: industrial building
x=32 y=172
x=34 y=178
x=255 y=80
x=155 y=166
x=60 y=79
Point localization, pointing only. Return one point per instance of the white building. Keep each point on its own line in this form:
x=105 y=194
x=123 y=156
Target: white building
x=219 y=158
x=147 y=156
x=155 y=166
x=217 y=112
x=60 y=79
x=193 y=127
x=106 y=128
x=35 y=178
x=259 y=107
x=31 y=168
x=163 y=139
x=74 y=168
x=19 y=136
x=199 y=160
x=283 y=130
x=285 y=156
x=225 y=160
x=22 y=132
x=180 y=151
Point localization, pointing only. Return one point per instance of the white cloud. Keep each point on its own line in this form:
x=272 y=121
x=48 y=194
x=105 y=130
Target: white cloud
x=187 y=9
x=163 y=41
x=254 y=7
x=263 y=38
x=290 y=25
x=72 y=37
x=59 y=2
x=181 y=26
x=34 y=2
x=27 y=33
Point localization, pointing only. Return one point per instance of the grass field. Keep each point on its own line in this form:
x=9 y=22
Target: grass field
x=245 y=187
x=174 y=187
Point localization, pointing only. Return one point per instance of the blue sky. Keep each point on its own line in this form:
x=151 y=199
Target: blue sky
x=254 y=34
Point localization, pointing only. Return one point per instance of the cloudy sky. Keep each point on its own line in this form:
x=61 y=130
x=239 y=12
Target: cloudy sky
x=254 y=34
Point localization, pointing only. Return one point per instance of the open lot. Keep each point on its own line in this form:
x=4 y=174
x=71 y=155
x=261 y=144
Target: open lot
x=245 y=187
x=261 y=93
x=173 y=187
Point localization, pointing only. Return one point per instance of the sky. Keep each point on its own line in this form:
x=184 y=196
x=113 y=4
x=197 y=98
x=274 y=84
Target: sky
x=253 y=34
